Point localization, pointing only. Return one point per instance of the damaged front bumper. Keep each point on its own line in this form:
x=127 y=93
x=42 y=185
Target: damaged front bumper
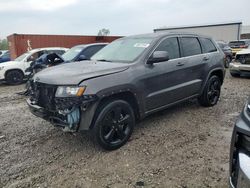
x=239 y=68
x=72 y=114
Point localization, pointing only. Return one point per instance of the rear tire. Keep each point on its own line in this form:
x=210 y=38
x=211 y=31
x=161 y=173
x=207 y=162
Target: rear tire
x=211 y=92
x=114 y=124
x=14 y=77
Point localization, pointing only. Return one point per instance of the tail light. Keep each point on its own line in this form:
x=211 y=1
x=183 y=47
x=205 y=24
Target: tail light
x=243 y=46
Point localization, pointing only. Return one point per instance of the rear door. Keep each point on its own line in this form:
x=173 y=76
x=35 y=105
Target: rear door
x=195 y=67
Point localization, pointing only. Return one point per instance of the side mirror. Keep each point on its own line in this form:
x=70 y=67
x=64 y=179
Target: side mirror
x=158 y=56
x=82 y=57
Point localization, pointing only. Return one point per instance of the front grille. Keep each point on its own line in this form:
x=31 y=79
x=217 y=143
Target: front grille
x=43 y=95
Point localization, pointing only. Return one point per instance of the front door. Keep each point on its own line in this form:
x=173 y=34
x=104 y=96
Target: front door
x=163 y=79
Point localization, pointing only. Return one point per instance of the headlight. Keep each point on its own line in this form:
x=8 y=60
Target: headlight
x=1 y=67
x=70 y=91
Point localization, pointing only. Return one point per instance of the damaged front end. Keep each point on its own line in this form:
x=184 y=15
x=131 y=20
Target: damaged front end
x=61 y=105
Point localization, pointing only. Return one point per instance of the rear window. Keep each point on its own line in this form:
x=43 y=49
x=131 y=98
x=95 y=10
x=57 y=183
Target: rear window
x=237 y=43
x=190 y=46
x=207 y=45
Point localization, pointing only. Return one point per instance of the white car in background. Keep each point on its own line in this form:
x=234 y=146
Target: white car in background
x=13 y=72
x=241 y=65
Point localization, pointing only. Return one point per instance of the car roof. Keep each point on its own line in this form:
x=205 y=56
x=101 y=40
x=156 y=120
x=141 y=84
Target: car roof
x=87 y=45
x=163 y=34
x=49 y=48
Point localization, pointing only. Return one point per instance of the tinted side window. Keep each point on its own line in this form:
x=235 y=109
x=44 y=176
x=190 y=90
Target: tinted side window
x=208 y=46
x=6 y=55
x=90 y=51
x=36 y=55
x=171 y=46
x=190 y=46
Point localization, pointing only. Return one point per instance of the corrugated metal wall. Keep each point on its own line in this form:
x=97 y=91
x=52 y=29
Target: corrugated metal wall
x=245 y=36
x=225 y=32
x=20 y=43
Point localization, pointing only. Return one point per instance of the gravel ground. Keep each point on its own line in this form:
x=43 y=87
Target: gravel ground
x=184 y=146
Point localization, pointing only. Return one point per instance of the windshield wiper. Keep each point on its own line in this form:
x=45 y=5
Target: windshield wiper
x=104 y=60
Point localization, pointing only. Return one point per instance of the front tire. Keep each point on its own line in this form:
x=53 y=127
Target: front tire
x=14 y=77
x=211 y=92
x=114 y=124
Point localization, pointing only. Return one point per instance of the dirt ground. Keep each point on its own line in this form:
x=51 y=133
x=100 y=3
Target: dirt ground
x=184 y=146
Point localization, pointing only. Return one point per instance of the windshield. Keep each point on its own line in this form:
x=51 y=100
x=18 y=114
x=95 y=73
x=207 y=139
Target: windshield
x=72 y=53
x=123 y=50
x=22 y=57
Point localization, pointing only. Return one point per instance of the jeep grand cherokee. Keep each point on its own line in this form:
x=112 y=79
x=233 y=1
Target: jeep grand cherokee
x=126 y=81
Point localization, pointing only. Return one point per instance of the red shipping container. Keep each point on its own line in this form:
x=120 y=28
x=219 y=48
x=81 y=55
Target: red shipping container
x=21 y=43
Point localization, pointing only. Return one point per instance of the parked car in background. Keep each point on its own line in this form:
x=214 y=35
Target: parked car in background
x=129 y=79
x=76 y=53
x=240 y=150
x=227 y=51
x=2 y=51
x=239 y=45
x=13 y=72
x=82 y=52
x=4 y=56
x=241 y=65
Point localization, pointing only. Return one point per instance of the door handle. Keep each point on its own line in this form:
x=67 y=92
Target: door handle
x=205 y=58
x=179 y=64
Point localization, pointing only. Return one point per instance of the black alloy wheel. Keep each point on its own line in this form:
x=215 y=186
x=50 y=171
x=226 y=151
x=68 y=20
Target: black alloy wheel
x=211 y=92
x=14 y=77
x=214 y=91
x=114 y=124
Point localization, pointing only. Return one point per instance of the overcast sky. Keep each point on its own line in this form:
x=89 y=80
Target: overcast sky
x=121 y=17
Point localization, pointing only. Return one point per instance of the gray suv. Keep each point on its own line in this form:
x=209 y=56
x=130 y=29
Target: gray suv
x=126 y=81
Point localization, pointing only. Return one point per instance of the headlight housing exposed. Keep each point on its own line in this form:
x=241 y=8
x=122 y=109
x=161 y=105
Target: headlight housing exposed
x=70 y=91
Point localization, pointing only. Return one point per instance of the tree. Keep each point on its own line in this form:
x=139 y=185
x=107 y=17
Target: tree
x=4 y=44
x=103 y=32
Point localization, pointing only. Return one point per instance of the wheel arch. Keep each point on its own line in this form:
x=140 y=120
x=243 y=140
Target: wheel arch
x=127 y=96
x=218 y=72
x=15 y=69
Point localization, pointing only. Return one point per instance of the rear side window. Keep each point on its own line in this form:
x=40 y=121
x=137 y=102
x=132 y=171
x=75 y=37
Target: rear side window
x=208 y=46
x=171 y=46
x=190 y=46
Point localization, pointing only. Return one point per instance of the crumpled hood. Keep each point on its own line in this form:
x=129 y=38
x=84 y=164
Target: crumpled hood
x=74 y=73
x=243 y=51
